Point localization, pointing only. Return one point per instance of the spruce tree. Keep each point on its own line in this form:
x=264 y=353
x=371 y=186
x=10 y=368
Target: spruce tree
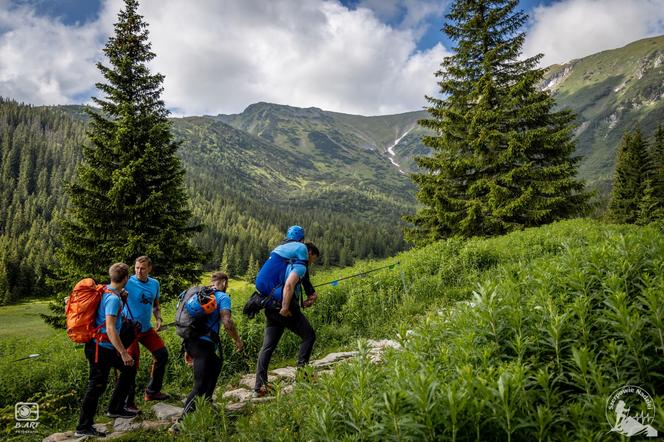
x=631 y=178
x=651 y=205
x=252 y=269
x=501 y=157
x=128 y=197
x=657 y=162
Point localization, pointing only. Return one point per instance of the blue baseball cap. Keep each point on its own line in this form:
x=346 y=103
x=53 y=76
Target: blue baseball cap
x=296 y=233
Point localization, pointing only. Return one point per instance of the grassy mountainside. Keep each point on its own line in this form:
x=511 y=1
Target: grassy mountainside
x=522 y=336
x=611 y=91
x=311 y=176
x=341 y=138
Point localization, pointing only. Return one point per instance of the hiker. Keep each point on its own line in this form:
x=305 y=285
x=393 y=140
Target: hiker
x=284 y=312
x=201 y=351
x=143 y=301
x=105 y=352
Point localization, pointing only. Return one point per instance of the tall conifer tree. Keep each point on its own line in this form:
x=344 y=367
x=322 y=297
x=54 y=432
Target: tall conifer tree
x=631 y=180
x=502 y=158
x=128 y=198
x=657 y=158
x=651 y=206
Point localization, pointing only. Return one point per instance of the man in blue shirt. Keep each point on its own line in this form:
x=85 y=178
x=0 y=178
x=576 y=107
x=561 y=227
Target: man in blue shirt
x=106 y=352
x=143 y=303
x=288 y=315
x=201 y=352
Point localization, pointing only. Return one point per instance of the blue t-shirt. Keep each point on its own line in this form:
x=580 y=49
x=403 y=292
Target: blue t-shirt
x=109 y=305
x=141 y=300
x=292 y=250
x=214 y=319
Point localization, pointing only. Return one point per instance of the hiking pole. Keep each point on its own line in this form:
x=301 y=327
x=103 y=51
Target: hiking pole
x=336 y=281
x=36 y=355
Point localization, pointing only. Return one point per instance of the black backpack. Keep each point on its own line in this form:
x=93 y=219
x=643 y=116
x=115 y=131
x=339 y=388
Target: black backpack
x=188 y=327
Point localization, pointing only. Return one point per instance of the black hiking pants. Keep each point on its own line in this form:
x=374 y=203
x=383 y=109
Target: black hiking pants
x=275 y=324
x=207 y=366
x=98 y=381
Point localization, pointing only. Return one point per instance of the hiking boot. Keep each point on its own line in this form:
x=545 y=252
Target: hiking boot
x=133 y=408
x=263 y=391
x=92 y=431
x=156 y=396
x=124 y=414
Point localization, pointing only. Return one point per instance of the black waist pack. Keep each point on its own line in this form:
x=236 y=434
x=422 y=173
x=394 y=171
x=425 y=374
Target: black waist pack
x=258 y=302
x=129 y=332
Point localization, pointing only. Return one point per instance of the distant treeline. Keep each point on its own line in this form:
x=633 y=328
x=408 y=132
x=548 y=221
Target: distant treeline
x=39 y=151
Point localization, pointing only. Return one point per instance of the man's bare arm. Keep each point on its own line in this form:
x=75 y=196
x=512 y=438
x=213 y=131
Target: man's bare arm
x=230 y=328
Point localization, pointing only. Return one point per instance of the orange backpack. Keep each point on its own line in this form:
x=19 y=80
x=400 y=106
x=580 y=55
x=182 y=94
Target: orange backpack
x=81 y=310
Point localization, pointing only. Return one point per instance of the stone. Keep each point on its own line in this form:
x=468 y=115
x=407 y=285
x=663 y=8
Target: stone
x=155 y=425
x=166 y=411
x=240 y=394
x=285 y=373
x=59 y=437
x=122 y=424
x=383 y=344
x=101 y=427
x=235 y=406
x=248 y=381
x=288 y=389
x=333 y=358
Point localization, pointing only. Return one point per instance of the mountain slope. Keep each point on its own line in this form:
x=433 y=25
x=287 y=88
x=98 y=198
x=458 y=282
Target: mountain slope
x=610 y=92
x=343 y=140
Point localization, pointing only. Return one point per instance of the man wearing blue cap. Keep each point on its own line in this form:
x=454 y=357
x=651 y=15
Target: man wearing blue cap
x=288 y=314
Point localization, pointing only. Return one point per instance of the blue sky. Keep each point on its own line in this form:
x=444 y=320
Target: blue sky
x=218 y=56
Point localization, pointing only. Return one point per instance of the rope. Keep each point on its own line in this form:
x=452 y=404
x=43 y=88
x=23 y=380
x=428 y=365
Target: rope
x=336 y=281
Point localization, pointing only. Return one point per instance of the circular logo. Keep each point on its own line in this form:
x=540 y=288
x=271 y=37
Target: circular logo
x=24 y=411
x=630 y=410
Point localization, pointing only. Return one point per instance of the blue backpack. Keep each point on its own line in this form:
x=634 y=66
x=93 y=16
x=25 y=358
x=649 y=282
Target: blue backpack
x=272 y=276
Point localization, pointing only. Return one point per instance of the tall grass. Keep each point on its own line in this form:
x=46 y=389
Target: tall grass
x=557 y=318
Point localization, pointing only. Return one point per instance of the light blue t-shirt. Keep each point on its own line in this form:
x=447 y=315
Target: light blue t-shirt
x=292 y=250
x=142 y=296
x=214 y=319
x=109 y=305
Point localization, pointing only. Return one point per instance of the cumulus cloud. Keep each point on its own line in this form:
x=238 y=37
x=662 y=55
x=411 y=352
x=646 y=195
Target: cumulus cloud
x=42 y=61
x=220 y=56
x=576 y=28
x=226 y=55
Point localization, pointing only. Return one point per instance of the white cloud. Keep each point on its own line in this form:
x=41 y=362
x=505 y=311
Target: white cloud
x=42 y=61
x=576 y=28
x=226 y=55
x=220 y=56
